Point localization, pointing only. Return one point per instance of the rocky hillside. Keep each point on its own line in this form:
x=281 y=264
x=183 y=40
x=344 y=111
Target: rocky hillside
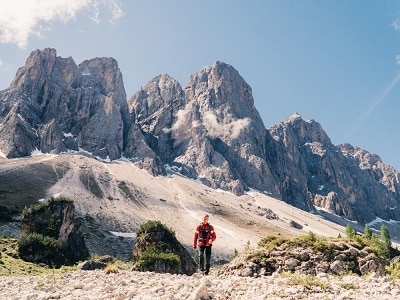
x=208 y=130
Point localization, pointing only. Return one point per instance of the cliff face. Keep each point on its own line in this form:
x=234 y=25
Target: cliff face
x=55 y=105
x=343 y=180
x=208 y=130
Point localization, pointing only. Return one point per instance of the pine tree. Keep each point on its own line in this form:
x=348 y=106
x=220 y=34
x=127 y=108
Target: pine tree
x=367 y=232
x=385 y=238
x=350 y=232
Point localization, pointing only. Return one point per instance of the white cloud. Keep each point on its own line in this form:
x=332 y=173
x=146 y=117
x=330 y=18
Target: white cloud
x=398 y=59
x=21 y=19
x=376 y=102
x=396 y=24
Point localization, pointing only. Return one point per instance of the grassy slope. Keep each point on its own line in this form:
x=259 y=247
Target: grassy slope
x=12 y=265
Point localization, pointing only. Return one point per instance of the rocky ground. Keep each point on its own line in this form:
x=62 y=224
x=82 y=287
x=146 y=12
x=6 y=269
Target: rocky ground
x=145 y=285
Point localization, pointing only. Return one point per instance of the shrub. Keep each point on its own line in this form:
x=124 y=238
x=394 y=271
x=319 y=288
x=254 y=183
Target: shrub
x=271 y=241
x=53 y=229
x=37 y=207
x=150 y=257
x=235 y=254
x=393 y=271
x=38 y=248
x=154 y=226
x=111 y=269
x=305 y=280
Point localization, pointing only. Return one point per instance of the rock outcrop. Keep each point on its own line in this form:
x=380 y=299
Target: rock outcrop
x=302 y=257
x=56 y=219
x=156 y=249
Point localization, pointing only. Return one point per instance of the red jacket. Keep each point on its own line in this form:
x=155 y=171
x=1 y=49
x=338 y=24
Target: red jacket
x=204 y=235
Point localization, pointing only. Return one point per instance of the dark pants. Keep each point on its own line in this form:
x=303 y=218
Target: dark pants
x=206 y=249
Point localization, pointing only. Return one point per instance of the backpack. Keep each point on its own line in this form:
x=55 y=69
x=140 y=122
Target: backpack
x=204 y=234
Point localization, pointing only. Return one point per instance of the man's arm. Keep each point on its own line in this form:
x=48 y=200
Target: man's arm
x=213 y=234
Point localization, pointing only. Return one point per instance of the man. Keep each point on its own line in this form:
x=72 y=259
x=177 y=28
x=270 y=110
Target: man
x=204 y=237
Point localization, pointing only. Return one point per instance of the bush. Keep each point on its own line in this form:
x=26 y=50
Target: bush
x=154 y=226
x=150 y=257
x=393 y=271
x=37 y=207
x=38 y=248
x=111 y=269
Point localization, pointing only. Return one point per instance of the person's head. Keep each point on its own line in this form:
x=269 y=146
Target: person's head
x=205 y=219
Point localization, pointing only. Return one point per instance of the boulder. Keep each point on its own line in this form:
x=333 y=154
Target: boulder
x=56 y=219
x=156 y=249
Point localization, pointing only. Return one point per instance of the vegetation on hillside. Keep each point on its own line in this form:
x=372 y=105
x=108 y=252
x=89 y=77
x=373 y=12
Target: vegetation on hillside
x=37 y=207
x=12 y=264
x=380 y=244
x=42 y=243
x=152 y=256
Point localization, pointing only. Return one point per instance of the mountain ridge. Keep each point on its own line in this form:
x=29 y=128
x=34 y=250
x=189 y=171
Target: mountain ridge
x=209 y=129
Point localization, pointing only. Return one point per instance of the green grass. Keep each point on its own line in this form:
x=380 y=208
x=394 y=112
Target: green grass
x=321 y=244
x=305 y=280
x=12 y=265
x=149 y=258
x=38 y=207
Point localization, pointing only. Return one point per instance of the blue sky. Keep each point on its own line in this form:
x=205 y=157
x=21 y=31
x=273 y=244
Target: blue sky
x=337 y=62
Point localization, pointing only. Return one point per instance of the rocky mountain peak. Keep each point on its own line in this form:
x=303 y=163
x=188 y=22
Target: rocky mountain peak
x=104 y=73
x=302 y=130
x=62 y=106
x=220 y=88
x=210 y=130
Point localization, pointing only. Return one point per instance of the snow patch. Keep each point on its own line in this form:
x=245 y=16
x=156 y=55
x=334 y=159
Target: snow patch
x=124 y=234
x=86 y=72
x=69 y=134
x=174 y=169
x=379 y=220
x=36 y=152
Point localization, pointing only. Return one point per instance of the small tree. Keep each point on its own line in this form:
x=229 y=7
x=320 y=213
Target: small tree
x=385 y=238
x=367 y=232
x=350 y=232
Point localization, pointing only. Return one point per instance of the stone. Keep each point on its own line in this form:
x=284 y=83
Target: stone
x=156 y=249
x=56 y=219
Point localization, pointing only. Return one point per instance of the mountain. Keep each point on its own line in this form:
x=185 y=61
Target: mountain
x=208 y=130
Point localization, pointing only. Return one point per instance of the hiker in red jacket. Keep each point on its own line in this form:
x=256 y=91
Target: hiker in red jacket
x=204 y=237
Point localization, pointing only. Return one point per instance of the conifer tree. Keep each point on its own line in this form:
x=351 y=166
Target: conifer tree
x=350 y=232
x=385 y=238
x=367 y=232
